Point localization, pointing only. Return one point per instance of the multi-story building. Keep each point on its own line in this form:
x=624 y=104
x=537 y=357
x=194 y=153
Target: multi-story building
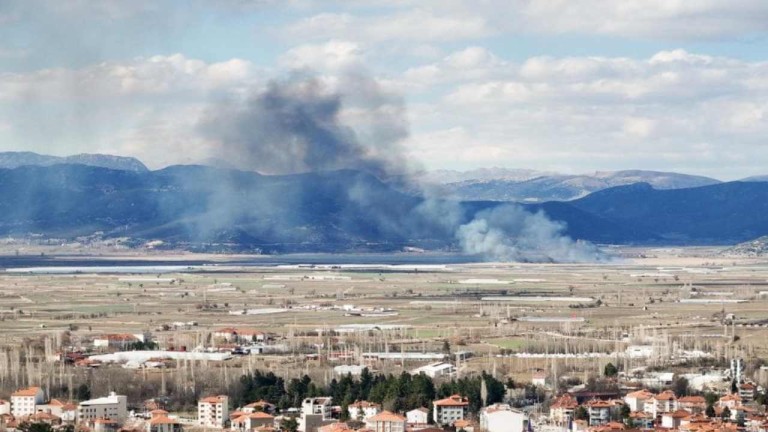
x=418 y=416
x=252 y=421
x=747 y=392
x=692 y=404
x=599 y=412
x=363 y=410
x=664 y=402
x=386 y=421
x=503 y=418
x=448 y=410
x=24 y=401
x=213 y=411
x=562 y=409
x=636 y=400
x=317 y=406
x=113 y=407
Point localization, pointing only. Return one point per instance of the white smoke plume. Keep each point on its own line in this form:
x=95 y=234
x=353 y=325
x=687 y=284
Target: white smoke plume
x=510 y=233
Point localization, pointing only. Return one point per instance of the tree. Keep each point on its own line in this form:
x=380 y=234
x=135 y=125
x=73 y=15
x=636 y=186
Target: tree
x=290 y=425
x=680 y=386
x=610 y=370
x=83 y=392
x=710 y=412
x=741 y=421
x=446 y=347
x=726 y=414
x=35 y=427
x=625 y=411
x=580 y=413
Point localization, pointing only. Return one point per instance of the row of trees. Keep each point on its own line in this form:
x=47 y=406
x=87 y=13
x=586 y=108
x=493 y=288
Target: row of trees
x=394 y=392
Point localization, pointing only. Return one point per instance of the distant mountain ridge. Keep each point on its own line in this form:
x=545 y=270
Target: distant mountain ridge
x=18 y=159
x=341 y=210
x=542 y=187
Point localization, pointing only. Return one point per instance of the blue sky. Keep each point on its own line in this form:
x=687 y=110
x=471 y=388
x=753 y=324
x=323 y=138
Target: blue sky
x=565 y=85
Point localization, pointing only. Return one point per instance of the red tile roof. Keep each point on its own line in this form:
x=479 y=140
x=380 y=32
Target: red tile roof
x=455 y=400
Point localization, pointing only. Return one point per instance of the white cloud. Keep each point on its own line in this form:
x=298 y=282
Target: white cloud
x=409 y=25
x=649 y=19
x=157 y=75
x=588 y=113
x=333 y=55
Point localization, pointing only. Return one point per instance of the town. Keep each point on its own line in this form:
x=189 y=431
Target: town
x=663 y=342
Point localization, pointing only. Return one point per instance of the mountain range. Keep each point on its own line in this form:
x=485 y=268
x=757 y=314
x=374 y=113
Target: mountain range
x=200 y=206
x=535 y=186
x=18 y=159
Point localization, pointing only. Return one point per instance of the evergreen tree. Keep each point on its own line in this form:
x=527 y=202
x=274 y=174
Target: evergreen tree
x=710 y=411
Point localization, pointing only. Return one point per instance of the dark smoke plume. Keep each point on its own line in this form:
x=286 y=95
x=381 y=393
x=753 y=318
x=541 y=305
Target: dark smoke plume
x=299 y=125
x=295 y=126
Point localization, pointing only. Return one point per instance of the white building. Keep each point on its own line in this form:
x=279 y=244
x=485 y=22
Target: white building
x=436 y=370
x=66 y=411
x=664 y=402
x=539 y=379
x=5 y=407
x=113 y=407
x=213 y=411
x=118 y=341
x=317 y=406
x=387 y=421
x=25 y=401
x=160 y=422
x=503 y=418
x=418 y=416
x=363 y=410
x=636 y=400
x=448 y=410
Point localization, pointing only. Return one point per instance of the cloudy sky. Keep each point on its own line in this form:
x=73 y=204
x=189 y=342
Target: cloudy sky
x=566 y=85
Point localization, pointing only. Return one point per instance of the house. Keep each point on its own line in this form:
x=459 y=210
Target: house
x=102 y=425
x=24 y=401
x=539 y=378
x=692 y=404
x=252 y=421
x=599 y=412
x=636 y=400
x=112 y=407
x=261 y=405
x=747 y=392
x=448 y=410
x=503 y=418
x=641 y=420
x=561 y=410
x=661 y=403
x=464 y=425
x=5 y=407
x=387 y=421
x=44 y=417
x=160 y=422
x=731 y=401
x=317 y=406
x=672 y=420
x=120 y=341
x=240 y=335
x=363 y=410
x=418 y=416
x=335 y=427
x=213 y=411
x=66 y=411
x=436 y=370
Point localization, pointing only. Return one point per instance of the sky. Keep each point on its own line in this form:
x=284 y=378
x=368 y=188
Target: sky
x=574 y=86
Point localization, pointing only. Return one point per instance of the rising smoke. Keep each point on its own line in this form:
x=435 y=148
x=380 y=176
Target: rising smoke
x=302 y=124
